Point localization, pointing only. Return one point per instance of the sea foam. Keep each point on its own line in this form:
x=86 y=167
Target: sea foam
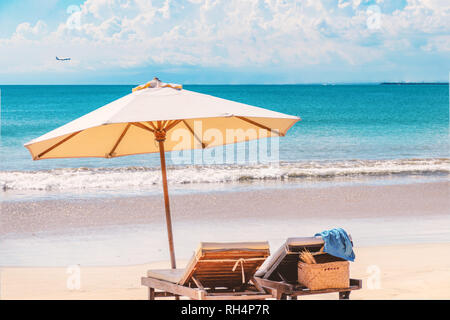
x=126 y=178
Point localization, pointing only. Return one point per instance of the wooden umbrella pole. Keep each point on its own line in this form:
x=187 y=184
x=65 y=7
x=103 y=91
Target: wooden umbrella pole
x=166 y=200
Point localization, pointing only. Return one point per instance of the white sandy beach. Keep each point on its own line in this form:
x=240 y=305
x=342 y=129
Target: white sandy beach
x=388 y=272
x=401 y=235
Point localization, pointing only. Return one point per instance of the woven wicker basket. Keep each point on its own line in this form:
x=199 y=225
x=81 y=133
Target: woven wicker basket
x=330 y=275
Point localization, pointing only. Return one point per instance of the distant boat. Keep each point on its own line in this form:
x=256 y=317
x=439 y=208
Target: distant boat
x=63 y=59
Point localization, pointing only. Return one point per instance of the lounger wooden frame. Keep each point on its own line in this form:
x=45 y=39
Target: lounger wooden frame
x=217 y=271
x=279 y=275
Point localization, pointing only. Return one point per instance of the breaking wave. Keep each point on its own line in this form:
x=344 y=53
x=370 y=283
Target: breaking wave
x=140 y=177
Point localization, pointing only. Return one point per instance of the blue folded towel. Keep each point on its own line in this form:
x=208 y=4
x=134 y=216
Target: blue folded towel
x=337 y=243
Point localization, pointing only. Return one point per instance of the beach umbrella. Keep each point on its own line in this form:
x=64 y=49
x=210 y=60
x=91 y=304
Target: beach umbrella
x=159 y=117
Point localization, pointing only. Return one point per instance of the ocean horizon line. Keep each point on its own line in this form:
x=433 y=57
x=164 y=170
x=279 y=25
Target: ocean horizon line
x=248 y=84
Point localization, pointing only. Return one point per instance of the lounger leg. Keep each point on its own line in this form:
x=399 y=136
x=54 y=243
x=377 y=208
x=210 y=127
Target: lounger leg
x=345 y=295
x=151 y=294
x=279 y=295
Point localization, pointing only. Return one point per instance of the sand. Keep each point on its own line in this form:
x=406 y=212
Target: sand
x=401 y=235
x=366 y=201
x=418 y=271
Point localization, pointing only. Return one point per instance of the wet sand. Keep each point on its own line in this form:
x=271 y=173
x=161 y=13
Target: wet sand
x=411 y=200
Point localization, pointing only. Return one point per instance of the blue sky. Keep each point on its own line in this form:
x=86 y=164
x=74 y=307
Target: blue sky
x=224 y=41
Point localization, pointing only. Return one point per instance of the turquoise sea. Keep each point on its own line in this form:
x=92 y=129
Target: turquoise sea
x=346 y=132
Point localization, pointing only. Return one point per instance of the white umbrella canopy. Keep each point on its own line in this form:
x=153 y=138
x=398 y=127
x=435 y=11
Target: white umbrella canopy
x=159 y=117
x=131 y=119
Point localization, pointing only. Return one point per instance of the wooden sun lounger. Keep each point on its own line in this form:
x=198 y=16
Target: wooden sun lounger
x=279 y=274
x=217 y=271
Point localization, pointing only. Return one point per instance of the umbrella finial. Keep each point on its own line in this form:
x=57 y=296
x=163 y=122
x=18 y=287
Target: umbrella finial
x=156 y=83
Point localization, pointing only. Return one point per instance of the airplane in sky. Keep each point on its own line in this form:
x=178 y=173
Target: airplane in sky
x=63 y=59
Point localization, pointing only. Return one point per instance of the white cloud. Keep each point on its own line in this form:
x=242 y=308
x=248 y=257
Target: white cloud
x=236 y=33
x=438 y=44
x=25 y=31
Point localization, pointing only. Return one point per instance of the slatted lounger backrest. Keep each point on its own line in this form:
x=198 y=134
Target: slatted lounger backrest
x=282 y=265
x=216 y=265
